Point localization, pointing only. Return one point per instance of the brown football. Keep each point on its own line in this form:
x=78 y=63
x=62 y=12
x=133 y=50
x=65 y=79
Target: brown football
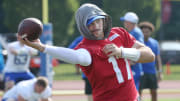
x=30 y=28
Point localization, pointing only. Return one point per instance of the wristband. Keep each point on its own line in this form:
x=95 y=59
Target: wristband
x=131 y=53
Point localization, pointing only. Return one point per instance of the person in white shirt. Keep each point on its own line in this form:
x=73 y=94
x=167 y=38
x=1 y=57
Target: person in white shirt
x=17 y=65
x=36 y=89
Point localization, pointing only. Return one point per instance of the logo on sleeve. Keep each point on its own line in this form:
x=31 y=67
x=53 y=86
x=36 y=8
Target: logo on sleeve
x=113 y=37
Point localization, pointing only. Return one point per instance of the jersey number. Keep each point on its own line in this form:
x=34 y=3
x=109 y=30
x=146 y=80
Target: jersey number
x=118 y=71
x=20 y=59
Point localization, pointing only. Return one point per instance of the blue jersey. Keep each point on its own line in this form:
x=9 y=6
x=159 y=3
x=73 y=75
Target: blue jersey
x=137 y=68
x=1 y=60
x=137 y=33
x=150 y=67
x=75 y=42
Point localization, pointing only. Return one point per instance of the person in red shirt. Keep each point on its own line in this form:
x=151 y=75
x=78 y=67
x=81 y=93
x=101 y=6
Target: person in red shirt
x=103 y=55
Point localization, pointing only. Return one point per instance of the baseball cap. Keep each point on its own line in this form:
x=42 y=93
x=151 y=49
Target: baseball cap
x=131 y=17
x=89 y=21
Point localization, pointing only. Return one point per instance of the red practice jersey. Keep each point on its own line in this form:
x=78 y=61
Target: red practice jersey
x=111 y=79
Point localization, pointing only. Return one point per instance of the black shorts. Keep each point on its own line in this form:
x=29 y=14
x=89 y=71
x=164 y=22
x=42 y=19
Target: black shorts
x=148 y=81
x=88 y=89
x=1 y=85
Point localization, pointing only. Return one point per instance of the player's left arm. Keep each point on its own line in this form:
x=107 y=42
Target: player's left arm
x=159 y=67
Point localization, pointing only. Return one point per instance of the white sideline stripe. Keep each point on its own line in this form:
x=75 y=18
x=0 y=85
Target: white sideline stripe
x=63 y=92
x=68 y=92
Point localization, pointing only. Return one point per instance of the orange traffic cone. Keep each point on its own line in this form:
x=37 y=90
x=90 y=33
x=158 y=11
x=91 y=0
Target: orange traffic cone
x=168 y=71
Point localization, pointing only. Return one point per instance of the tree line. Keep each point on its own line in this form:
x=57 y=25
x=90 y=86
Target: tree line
x=62 y=12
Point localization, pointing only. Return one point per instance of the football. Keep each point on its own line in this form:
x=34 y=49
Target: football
x=30 y=28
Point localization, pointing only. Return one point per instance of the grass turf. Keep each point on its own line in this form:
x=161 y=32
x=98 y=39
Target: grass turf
x=68 y=72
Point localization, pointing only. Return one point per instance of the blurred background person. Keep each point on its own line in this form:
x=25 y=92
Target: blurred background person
x=36 y=89
x=152 y=71
x=1 y=68
x=87 y=89
x=17 y=64
x=130 y=20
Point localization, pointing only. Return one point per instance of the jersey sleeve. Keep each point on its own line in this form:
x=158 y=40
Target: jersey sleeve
x=157 y=49
x=75 y=42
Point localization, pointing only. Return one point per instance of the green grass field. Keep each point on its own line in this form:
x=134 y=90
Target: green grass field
x=175 y=72
x=67 y=72
x=165 y=99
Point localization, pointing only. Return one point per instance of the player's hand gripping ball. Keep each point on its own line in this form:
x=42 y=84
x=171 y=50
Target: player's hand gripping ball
x=30 y=28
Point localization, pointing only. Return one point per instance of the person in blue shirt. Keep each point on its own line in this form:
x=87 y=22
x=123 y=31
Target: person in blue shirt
x=1 y=60
x=1 y=68
x=88 y=89
x=151 y=76
x=130 y=23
